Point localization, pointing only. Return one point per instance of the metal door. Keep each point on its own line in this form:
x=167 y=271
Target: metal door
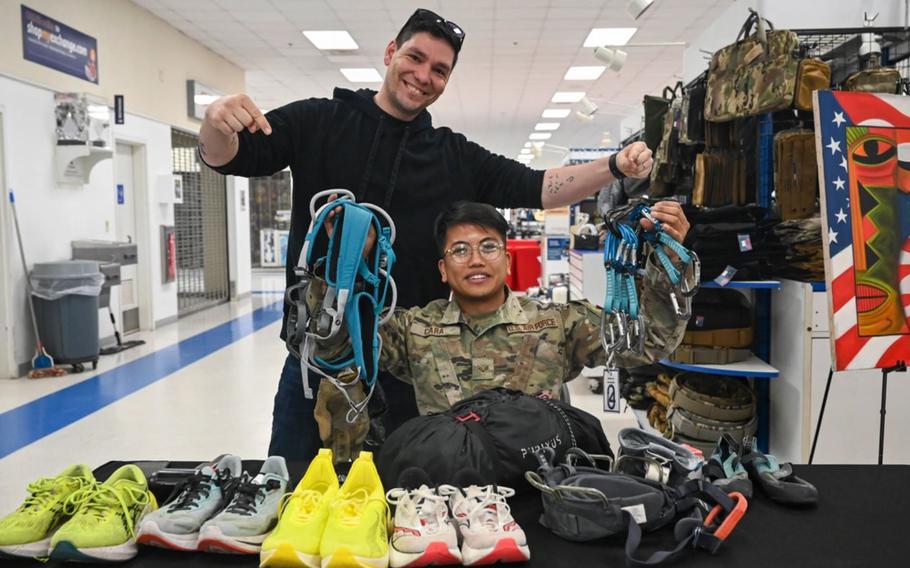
x=201 y=229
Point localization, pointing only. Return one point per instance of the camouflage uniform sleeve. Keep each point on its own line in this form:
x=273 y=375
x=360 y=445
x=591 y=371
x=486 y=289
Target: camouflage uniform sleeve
x=663 y=331
x=394 y=355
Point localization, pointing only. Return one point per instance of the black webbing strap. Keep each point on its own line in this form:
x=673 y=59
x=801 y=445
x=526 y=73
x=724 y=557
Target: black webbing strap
x=690 y=531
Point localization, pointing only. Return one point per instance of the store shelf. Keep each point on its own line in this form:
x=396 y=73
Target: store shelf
x=745 y=284
x=753 y=367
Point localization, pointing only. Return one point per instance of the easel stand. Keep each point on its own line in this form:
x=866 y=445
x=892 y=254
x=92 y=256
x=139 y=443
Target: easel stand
x=901 y=367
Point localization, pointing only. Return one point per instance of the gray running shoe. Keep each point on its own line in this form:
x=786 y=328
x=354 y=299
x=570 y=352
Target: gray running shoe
x=252 y=513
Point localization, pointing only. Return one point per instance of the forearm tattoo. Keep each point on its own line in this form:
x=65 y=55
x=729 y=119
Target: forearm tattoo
x=554 y=184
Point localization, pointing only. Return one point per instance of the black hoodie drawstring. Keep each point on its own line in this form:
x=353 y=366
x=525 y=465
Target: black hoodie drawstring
x=362 y=191
x=394 y=177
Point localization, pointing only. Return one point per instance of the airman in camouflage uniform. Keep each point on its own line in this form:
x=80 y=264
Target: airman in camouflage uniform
x=523 y=344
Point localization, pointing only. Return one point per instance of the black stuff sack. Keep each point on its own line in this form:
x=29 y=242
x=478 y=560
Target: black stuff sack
x=495 y=432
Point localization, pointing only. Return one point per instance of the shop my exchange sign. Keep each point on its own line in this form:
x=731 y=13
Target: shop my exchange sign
x=48 y=42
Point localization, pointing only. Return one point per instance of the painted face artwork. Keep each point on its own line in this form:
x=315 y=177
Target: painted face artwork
x=878 y=160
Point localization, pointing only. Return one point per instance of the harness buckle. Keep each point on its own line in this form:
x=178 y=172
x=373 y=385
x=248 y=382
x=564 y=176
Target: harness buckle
x=729 y=523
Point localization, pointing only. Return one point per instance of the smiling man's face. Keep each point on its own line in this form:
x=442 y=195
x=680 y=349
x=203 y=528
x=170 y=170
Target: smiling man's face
x=417 y=74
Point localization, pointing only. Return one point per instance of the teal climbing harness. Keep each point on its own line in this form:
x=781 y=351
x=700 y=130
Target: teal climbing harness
x=357 y=287
x=626 y=248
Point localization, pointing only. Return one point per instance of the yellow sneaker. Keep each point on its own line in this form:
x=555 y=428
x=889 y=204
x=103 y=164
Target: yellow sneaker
x=295 y=541
x=357 y=531
x=104 y=519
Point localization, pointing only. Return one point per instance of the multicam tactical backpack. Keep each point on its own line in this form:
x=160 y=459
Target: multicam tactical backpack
x=754 y=75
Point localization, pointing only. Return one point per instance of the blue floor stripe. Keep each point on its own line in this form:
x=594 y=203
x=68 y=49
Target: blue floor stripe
x=30 y=422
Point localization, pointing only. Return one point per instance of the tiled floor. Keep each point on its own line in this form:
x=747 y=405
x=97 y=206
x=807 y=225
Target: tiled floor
x=196 y=389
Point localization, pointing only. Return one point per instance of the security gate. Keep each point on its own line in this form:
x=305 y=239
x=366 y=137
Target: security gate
x=201 y=229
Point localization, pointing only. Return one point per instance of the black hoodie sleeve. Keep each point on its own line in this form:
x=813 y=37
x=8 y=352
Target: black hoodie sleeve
x=502 y=182
x=292 y=128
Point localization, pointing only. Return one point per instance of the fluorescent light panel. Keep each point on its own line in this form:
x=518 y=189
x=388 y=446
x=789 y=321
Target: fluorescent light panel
x=556 y=113
x=525 y=151
x=527 y=145
x=609 y=36
x=567 y=96
x=331 y=39
x=539 y=136
x=546 y=126
x=362 y=75
x=584 y=73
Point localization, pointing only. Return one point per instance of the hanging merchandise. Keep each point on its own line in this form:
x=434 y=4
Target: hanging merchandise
x=760 y=73
x=804 y=259
x=877 y=80
x=583 y=502
x=356 y=293
x=655 y=110
x=795 y=173
x=719 y=330
x=622 y=328
x=692 y=112
x=494 y=432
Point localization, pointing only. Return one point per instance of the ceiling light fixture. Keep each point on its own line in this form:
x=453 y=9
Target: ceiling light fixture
x=555 y=113
x=614 y=58
x=362 y=75
x=583 y=73
x=567 y=96
x=583 y=117
x=540 y=136
x=546 y=126
x=635 y=8
x=609 y=36
x=527 y=145
x=524 y=151
x=331 y=39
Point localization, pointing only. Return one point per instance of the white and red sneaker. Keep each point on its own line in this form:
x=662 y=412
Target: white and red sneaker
x=488 y=531
x=423 y=533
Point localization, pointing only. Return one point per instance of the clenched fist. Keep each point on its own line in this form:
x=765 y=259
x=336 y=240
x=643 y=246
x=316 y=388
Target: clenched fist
x=635 y=160
x=233 y=113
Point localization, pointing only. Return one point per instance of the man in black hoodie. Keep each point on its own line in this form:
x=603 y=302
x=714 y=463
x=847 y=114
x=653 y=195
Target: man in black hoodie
x=383 y=147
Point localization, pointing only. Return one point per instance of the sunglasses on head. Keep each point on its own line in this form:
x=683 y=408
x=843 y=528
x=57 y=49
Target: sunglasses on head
x=450 y=29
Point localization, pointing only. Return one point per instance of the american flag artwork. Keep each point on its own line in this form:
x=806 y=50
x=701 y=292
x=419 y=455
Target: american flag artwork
x=863 y=144
x=863 y=140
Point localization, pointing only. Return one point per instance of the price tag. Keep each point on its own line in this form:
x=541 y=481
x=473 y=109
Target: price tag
x=745 y=242
x=611 y=390
x=726 y=276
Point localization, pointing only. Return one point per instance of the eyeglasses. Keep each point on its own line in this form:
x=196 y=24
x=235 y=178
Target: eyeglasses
x=450 y=29
x=488 y=249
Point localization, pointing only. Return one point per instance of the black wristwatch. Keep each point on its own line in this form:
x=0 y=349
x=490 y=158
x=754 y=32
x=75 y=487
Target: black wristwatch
x=614 y=169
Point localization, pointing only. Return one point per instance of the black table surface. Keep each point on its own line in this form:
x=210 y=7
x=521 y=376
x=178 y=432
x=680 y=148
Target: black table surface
x=861 y=520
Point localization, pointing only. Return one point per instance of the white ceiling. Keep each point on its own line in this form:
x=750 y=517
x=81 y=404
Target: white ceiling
x=515 y=55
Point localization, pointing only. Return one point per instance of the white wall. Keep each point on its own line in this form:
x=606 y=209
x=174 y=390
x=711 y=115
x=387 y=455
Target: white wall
x=787 y=14
x=240 y=261
x=53 y=215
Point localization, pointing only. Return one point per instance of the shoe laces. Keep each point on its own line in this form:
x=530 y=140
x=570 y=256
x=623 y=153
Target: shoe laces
x=43 y=491
x=490 y=509
x=352 y=505
x=248 y=495
x=98 y=500
x=423 y=502
x=197 y=487
x=309 y=501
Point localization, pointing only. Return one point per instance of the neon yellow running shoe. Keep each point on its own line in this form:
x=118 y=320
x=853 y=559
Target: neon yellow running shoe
x=357 y=531
x=295 y=541
x=105 y=518
x=27 y=531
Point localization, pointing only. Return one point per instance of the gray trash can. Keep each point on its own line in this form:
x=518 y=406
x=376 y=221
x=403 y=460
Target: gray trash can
x=66 y=307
